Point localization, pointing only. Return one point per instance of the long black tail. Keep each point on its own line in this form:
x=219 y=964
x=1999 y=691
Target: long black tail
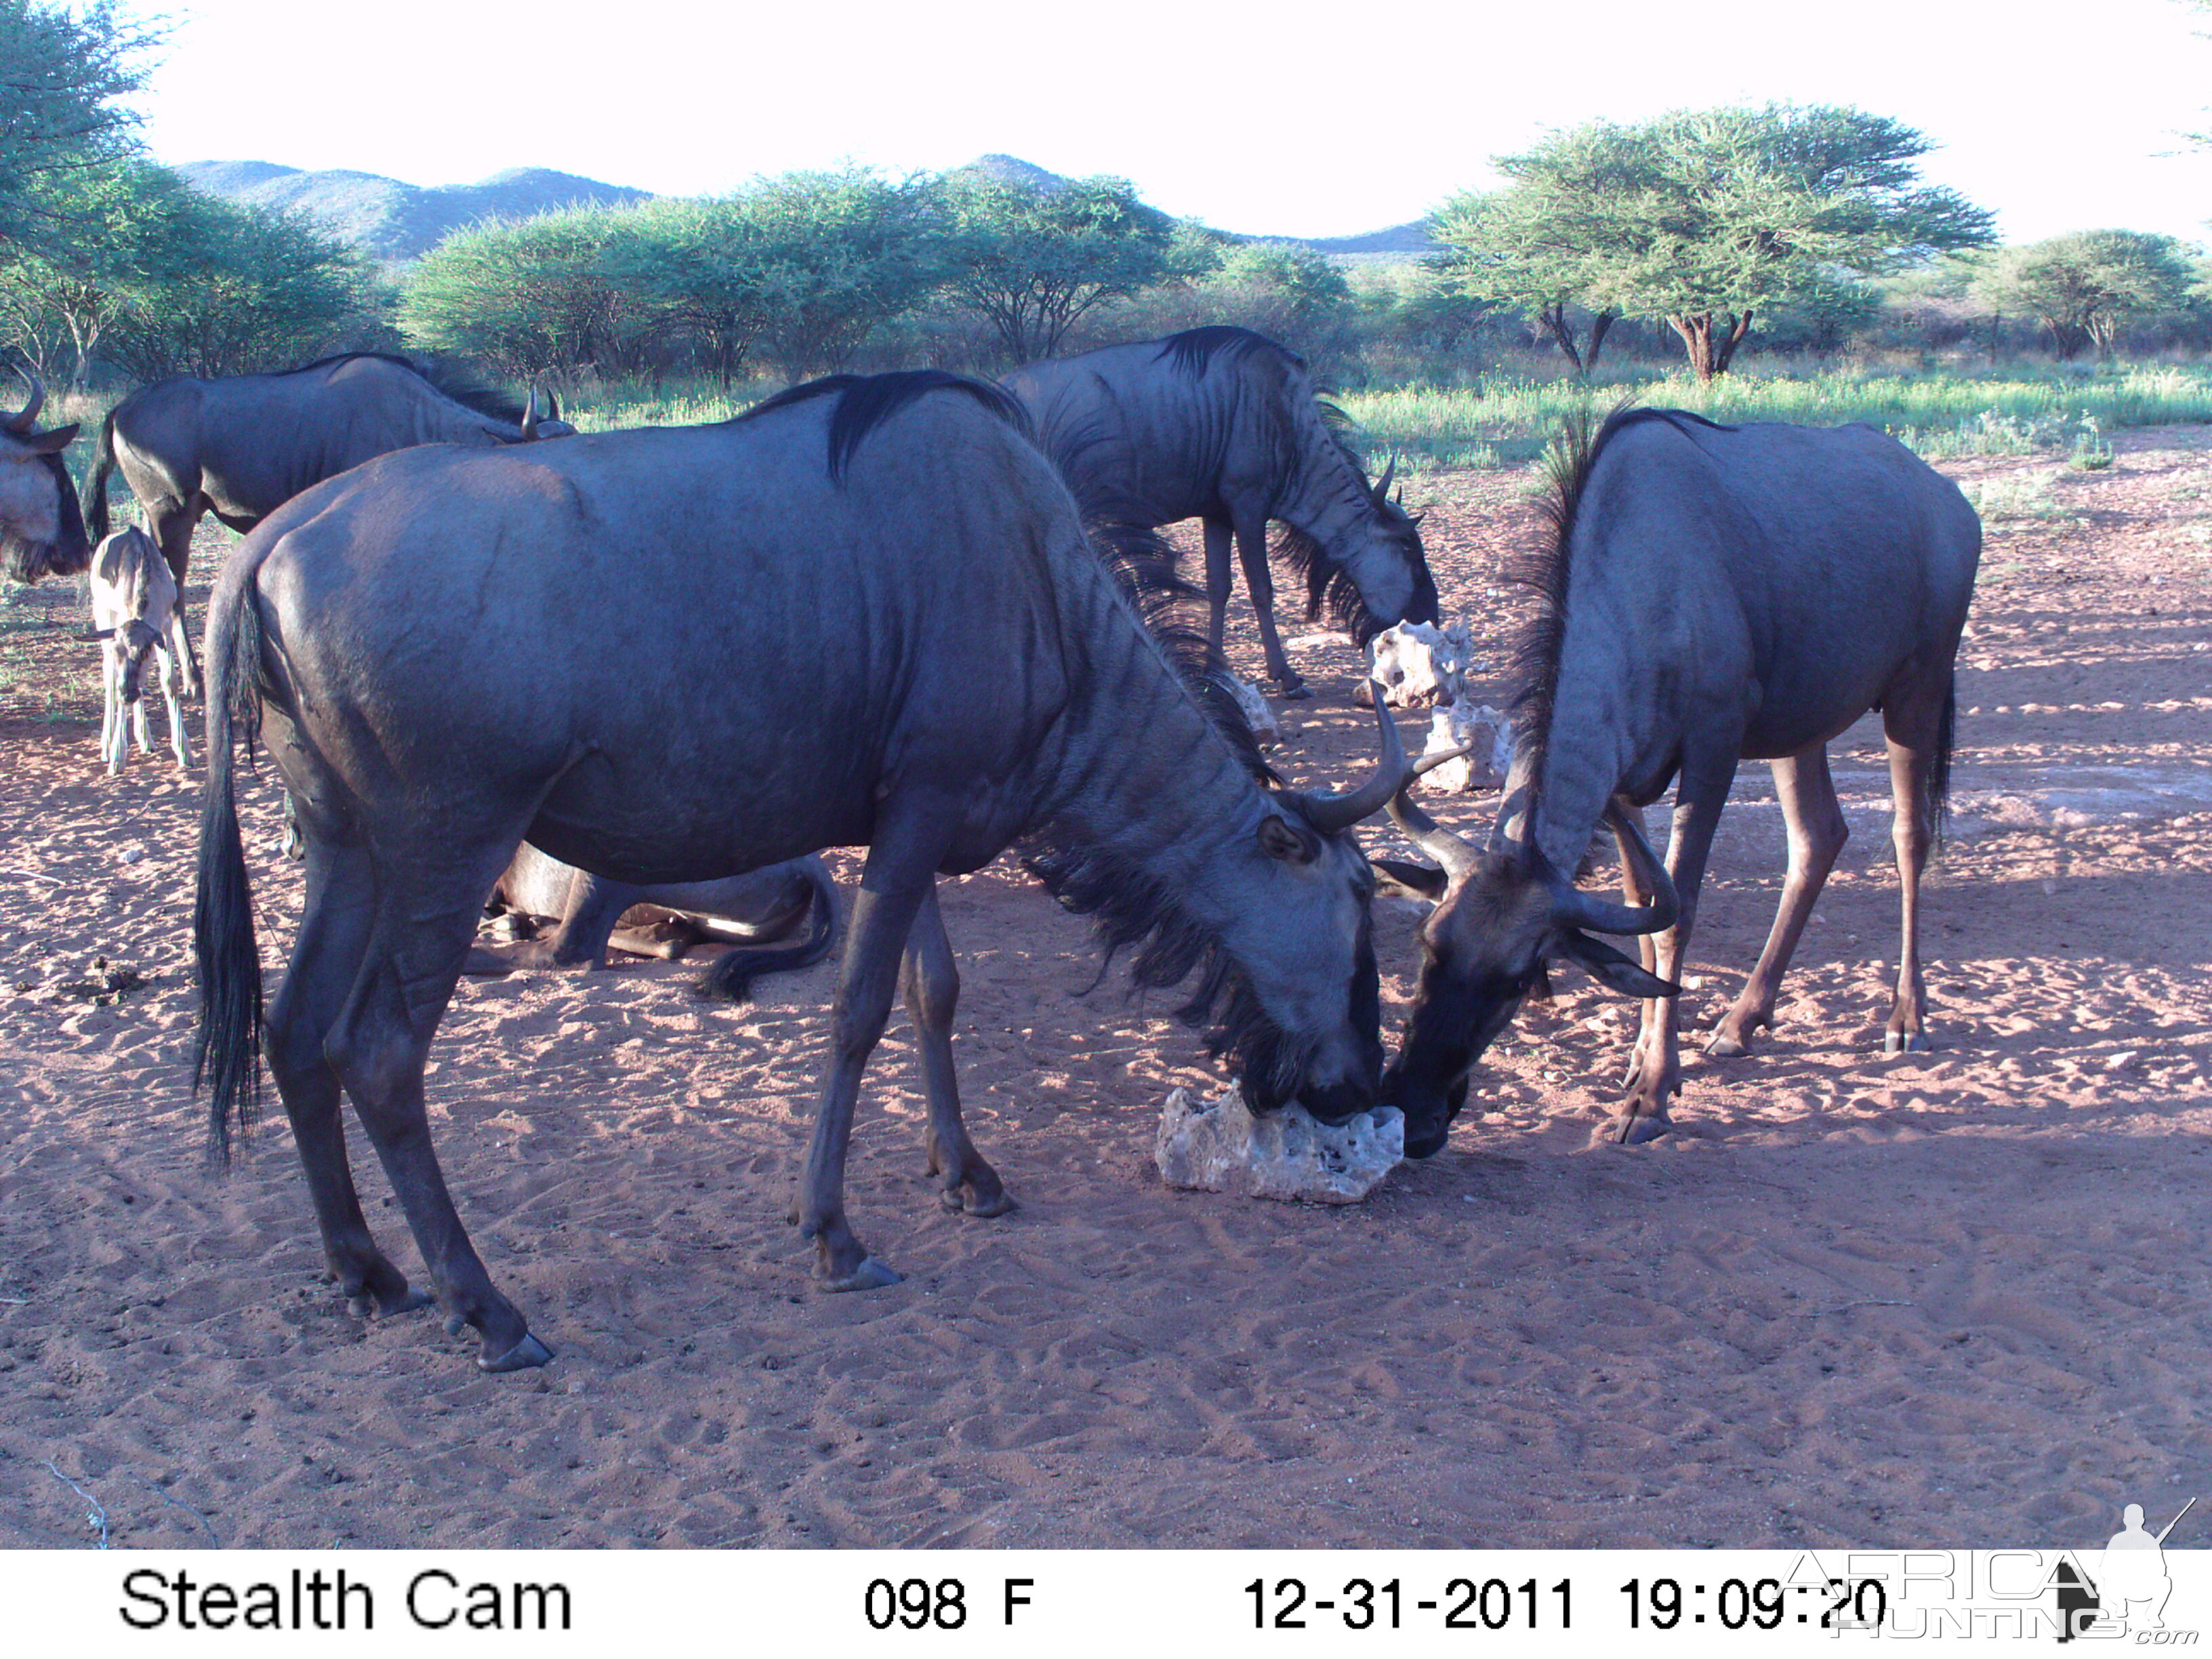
x=1939 y=773
x=731 y=978
x=95 y=506
x=227 y=1056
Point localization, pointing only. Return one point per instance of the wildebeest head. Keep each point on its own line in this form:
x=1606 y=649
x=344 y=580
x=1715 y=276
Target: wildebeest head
x=1502 y=915
x=1375 y=568
x=550 y=425
x=1302 y=1016
x=41 y=529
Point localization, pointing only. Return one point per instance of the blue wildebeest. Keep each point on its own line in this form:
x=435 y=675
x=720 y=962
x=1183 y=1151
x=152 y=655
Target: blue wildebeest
x=1222 y=425
x=426 y=643
x=1709 y=594
x=41 y=528
x=242 y=446
x=756 y=911
x=134 y=615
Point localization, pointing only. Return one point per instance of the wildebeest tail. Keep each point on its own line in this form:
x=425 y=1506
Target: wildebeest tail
x=95 y=509
x=731 y=978
x=1939 y=773
x=227 y=1056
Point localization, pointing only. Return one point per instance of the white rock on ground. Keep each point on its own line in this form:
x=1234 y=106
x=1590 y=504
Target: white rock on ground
x=1420 y=666
x=1257 y=714
x=1220 y=1146
x=1476 y=727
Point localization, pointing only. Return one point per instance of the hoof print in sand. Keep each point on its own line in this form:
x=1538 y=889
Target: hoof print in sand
x=1220 y=1146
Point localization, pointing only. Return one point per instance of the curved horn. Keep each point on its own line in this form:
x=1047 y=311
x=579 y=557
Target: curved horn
x=1575 y=909
x=1383 y=487
x=530 y=418
x=1452 y=854
x=1428 y=764
x=553 y=403
x=29 y=416
x=1329 y=813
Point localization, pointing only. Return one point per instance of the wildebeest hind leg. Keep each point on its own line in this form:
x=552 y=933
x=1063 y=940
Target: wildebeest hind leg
x=424 y=920
x=171 y=523
x=964 y=1179
x=1912 y=726
x=899 y=878
x=326 y=957
x=1817 y=834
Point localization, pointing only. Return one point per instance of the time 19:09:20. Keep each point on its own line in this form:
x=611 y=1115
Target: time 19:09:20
x=1762 y=1604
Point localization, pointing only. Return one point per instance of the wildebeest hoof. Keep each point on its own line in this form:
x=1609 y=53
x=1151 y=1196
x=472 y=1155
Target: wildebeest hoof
x=1636 y=1129
x=1900 y=1042
x=522 y=1356
x=455 y=1324
x=869 y=1275
x=1724 y=1047
x=1296 y=691
x=966 y=1200
x=487 y=962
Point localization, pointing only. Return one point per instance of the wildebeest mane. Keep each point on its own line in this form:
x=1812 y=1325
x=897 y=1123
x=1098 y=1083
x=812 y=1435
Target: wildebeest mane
x=26 y=560
x=447 y=378
x=1532 y=658
x=865 y=402
x=1195 y=350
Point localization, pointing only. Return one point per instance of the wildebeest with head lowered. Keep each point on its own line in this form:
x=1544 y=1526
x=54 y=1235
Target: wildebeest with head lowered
x=242 y=446
x=1222 y=425
x=41 y=529
x=426 y=642
x=1709 y=594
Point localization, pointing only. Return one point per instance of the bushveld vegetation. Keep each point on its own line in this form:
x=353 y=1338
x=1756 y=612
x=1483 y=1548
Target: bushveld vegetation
x=1781 y=262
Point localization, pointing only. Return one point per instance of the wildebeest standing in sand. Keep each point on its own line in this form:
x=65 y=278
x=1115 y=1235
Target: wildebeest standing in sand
x=242 y=446
x=1709 y=594
x=134 y=615
x=1222 y=425
x=41 y=529
x=426 y=640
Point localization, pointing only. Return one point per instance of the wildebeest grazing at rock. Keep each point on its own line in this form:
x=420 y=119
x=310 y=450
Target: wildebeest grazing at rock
x=1709 y=594
x=757 y=911
x=41 y=528
x=242 y=446
x=134 y=614
x=1222 y=425
x=432 y=700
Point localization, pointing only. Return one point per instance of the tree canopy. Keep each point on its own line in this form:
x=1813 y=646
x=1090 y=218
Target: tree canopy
x=1705 y=218
x=2088 y=285
x=61 y=73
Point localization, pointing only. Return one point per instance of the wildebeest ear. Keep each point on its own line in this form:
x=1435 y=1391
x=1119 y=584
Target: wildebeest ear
x=1623 y=973
x=1281 y=839
x=50 y=443
x=1415 y=881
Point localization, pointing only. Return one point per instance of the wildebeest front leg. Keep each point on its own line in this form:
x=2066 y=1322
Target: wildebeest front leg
x=595 y=905
x=964 y=1179
x=1912 y=735
x=326 y=956
x=1260 y=584
x=1220 y=576
x=898 y=879
x=171 y=656
x=424 y=921
x=1655 y=1072
x=1817 y=834
x=171 y=524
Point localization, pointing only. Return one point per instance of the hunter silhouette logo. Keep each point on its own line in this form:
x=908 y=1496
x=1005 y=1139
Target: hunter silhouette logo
x=2131 y=1585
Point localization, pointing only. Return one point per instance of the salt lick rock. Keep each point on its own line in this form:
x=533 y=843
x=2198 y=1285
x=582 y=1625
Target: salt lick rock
x=1221 y=1146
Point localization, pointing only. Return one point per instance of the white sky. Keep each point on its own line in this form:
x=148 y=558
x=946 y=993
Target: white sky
x=1253 y=116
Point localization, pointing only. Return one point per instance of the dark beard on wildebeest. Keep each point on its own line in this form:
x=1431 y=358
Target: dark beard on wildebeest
x=26 y=560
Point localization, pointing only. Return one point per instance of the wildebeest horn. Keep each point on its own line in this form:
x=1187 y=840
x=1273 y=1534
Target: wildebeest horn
x=1428 y=764
x=1452 y=854
x=1575 y=909
x=529 y=417
x=553 y=403
x=1383 y=488
x=1329 y=813
x=29 y=416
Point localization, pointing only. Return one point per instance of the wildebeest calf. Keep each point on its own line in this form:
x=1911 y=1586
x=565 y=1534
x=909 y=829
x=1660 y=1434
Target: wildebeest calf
x=133 y=611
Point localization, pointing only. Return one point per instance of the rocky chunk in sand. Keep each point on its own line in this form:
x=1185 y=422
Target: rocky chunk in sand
x=1221 y=1146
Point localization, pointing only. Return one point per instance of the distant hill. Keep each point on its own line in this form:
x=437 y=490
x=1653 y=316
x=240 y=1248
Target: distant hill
x=396 y=220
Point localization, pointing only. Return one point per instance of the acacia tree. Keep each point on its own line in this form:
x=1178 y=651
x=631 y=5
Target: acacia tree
x=1031 y=257
x=530 y=298
x=61 y=72
x=2088 y=285
x=1705 y=219
x=702 y=264
x=840 y=254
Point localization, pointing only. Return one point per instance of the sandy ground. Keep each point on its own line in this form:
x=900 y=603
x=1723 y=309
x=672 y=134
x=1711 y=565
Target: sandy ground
x=1952 y=1297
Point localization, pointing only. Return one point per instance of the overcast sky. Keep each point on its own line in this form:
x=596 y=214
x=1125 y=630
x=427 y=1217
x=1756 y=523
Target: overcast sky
x=1260 y=117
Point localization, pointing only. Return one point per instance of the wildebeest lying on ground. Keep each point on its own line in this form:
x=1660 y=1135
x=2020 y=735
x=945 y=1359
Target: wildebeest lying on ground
x=423 y=640
x=756 y=911
x=242 y=446
x=41 y=530
x=134 y=613
x=1709 y=593
x=1222 y=425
